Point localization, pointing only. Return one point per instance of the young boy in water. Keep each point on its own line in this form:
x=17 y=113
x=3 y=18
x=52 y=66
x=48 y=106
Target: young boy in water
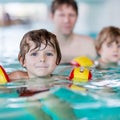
x=39 y=54
x=108 y=46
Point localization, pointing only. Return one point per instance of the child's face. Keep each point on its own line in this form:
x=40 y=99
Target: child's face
x=65 y=18
x=40 y=62
x=110 y=52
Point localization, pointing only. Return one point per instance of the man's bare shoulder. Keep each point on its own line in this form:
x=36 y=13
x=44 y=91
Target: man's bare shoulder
x=83 y=38
x=86 y=45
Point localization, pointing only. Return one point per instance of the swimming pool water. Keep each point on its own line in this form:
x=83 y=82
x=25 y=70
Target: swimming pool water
x=98 y=99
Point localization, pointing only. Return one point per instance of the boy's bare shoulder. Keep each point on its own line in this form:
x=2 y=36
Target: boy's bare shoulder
x=18 y=75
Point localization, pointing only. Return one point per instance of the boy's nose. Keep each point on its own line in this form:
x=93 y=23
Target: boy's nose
x=116 y=48
x=42 y=58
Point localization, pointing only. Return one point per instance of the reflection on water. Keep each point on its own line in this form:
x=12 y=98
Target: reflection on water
x=58 y=103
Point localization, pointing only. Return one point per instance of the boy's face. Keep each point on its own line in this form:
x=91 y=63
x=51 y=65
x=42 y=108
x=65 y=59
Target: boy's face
x=64 y=19
x=40 y=62
x=110 y=52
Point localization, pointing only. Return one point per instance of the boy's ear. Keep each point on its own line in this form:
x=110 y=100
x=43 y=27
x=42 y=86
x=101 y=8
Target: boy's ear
x=51 y=15
x=21 y=60
x=99 y=52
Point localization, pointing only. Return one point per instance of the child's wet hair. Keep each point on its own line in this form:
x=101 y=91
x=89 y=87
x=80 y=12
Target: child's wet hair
x=111 y=32
x=39 y=37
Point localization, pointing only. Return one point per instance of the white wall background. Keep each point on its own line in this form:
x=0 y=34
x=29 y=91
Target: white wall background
x=93 y=16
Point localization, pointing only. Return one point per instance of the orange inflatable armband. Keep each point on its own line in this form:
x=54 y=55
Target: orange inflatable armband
x=3 y=76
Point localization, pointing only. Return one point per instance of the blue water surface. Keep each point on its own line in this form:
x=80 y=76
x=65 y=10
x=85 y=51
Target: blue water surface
x=98 y=99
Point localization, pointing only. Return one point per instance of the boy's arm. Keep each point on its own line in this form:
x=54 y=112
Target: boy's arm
x=18 y=75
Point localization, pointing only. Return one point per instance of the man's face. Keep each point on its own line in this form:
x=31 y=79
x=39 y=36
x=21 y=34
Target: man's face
x=64 y=19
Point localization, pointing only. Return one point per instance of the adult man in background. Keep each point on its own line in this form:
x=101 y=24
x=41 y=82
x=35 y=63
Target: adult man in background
x=64 y=14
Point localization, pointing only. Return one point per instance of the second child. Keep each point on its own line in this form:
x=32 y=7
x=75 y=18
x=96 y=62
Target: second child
x=108 y=46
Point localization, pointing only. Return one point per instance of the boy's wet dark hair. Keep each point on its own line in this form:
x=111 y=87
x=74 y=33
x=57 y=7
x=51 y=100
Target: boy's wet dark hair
x=57 y=3
x=39 y=37
x=111 y=32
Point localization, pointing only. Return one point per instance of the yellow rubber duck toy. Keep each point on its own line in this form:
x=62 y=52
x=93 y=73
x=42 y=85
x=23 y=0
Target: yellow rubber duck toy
x=3 y=76
x=82 y=61
x=81 y=71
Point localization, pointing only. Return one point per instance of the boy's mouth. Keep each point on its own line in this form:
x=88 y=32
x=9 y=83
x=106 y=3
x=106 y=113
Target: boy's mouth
x=42 y=66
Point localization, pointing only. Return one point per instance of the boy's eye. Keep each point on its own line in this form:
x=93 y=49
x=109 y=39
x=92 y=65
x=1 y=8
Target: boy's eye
x=49 y=54
x=33 y=54
x=118 y=46
x=109 y=45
